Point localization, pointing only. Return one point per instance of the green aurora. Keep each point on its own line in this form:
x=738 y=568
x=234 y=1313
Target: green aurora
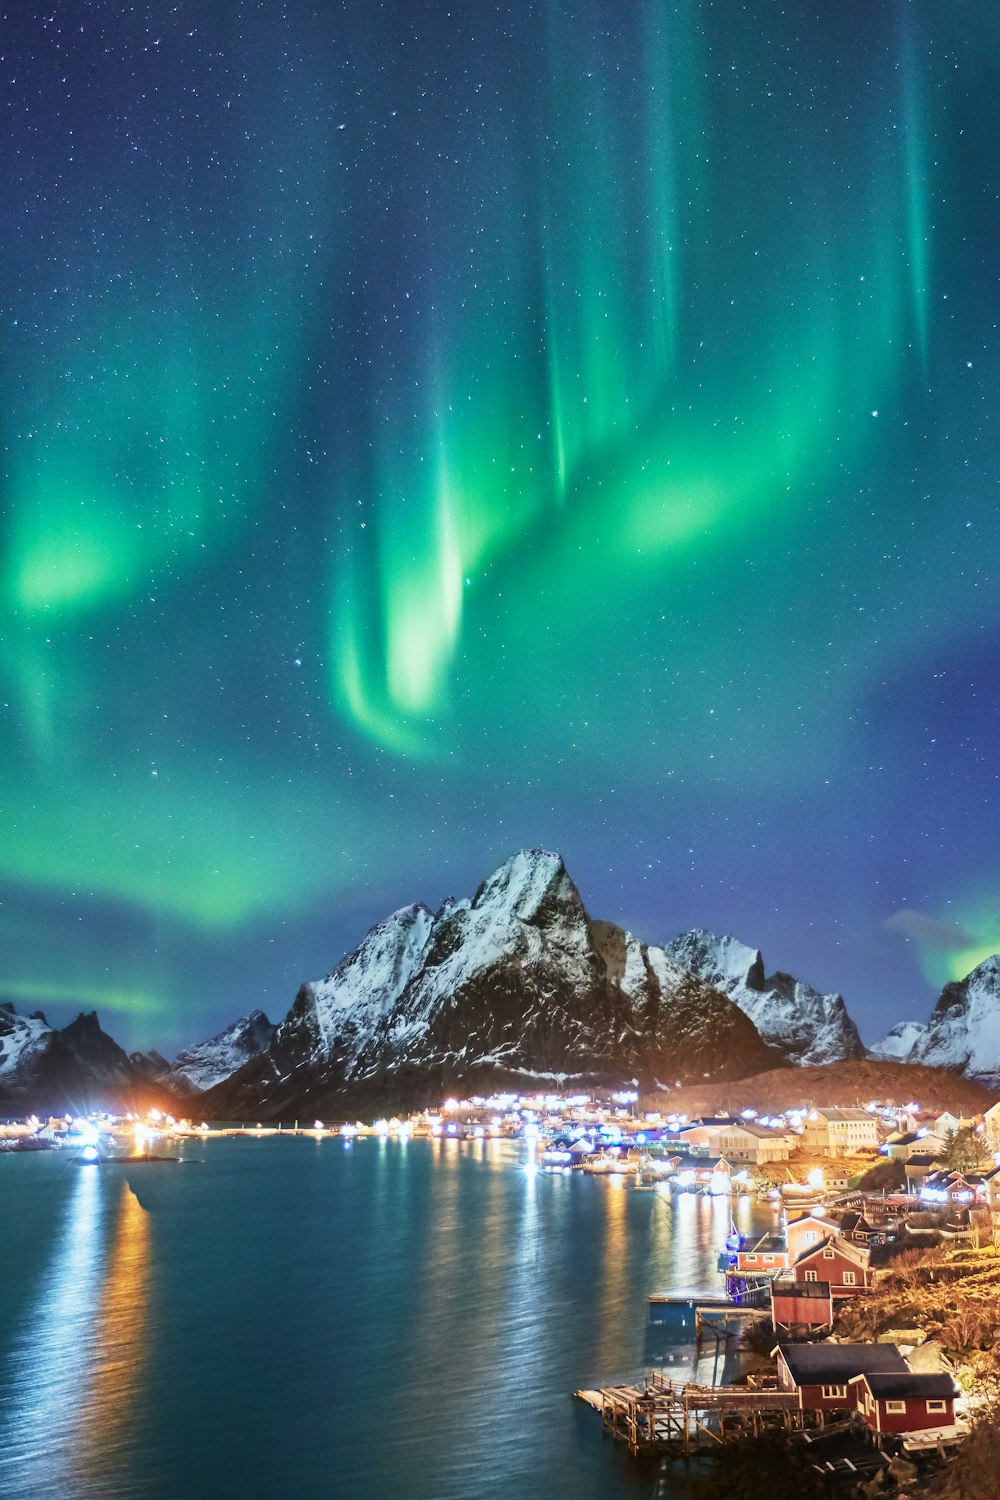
x=565 y=425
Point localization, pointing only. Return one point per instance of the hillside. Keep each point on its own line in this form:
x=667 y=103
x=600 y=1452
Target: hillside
x=854 y=1082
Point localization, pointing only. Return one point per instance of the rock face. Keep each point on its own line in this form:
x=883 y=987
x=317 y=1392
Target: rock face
x=809 y=1027
x=515 y=987
x=963 y=1032
x=75 y=1069
x=208 y=1063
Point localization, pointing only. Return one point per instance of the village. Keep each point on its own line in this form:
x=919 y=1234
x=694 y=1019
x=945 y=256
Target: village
x=860 y=1329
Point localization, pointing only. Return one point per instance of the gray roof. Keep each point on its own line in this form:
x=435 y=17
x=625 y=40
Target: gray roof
x=893 y=1387
x=836 y=1364
x=768 y=1244
x=782 y=1288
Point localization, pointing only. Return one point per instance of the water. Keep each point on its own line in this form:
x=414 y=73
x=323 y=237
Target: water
x=290 y=1319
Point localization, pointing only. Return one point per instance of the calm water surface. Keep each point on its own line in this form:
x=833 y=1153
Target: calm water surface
x=304 y=1319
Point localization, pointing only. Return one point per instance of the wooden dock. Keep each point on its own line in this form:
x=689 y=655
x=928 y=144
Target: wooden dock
x=720 y=1319
x=679 y=1417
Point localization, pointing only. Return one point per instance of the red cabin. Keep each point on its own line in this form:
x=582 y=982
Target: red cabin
x=905 y=1402
x=766 y=1257
x=822 y=1374
x=845 y=1266
x=800 y=1305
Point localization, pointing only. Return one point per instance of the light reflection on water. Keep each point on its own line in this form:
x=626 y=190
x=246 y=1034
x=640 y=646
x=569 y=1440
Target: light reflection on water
x=53 y=1350
x=286 y=1318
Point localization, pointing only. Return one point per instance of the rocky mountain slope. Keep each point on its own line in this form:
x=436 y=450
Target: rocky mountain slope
x=898 y=1044
x=77 y=1068
x=963 y=1032
x=208 y=1063
x=809 y=1027
x=516 y=986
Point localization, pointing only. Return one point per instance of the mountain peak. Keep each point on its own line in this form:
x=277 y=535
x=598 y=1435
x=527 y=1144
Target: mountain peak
x=963 y=1032
x=808 y=1026
x=204 y=1065
x=515 y=987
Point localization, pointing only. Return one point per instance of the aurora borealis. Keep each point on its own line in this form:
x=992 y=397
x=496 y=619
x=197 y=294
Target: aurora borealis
x=434 y=429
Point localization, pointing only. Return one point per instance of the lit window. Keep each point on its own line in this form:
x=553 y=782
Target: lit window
x=834 y=1392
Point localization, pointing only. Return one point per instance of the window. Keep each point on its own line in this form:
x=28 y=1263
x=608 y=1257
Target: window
x=828 y=1255
x=896 y=1407
x=849 y=1278
x=768 y=1259
x=812 y=1275
x=937 y=1406
x=833 y=1392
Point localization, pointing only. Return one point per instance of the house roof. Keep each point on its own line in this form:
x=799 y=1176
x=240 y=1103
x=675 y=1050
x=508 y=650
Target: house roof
x=857 y=1253
x=836 y=1364
x=782 y=1288
x=839 y=1116
x=854 y=1223
x=768 y=1244
x=922 y=1159
x=892 y=1386
x=761 y=1132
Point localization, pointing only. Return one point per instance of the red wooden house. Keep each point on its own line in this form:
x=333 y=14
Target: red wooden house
x=800 y=1306
x=844 y=1265
x=904 y=1402
x=822 y=1374
x=766 y=1257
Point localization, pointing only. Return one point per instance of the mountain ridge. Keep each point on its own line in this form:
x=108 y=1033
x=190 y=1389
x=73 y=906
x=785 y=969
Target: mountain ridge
x=514 y=987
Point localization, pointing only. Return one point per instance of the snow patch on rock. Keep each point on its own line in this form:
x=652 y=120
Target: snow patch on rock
x=963 y=1032
x=207 y=1063
x=808 y=1026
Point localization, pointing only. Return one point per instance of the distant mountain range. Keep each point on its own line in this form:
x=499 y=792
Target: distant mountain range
x=516 y=988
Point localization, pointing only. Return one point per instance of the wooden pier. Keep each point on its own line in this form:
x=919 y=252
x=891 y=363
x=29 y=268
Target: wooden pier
x=680 y=1417
x=720 y=1319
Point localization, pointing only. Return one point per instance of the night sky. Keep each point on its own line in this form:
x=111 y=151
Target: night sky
x=432 y=429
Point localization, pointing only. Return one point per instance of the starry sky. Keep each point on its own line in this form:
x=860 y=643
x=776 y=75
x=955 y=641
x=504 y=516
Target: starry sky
x=437 y=427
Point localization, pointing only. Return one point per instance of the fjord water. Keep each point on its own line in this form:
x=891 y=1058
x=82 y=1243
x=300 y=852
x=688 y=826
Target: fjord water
x=288 y=1317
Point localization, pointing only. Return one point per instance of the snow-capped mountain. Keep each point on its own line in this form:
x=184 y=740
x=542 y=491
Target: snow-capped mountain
x=78 y=1067
x=207 y=1063
x=807 y=1026
x=898 y=1044
x=24 y=1041
x=963 y=1032
x=515 y=984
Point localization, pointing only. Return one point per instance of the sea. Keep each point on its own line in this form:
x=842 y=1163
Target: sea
x=290 y=1318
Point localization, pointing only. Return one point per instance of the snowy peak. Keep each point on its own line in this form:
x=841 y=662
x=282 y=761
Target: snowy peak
x=76 y=1068
x=720 y=960
x=963 y=1032
x=808 y=1026
x=899 y=1043
x=530 y=886
x=203 y=1066
x=24 y=1040
x=514 y=985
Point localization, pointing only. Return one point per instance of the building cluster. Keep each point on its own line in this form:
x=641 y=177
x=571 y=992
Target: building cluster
x=873 y=1380
x=816 y=1261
